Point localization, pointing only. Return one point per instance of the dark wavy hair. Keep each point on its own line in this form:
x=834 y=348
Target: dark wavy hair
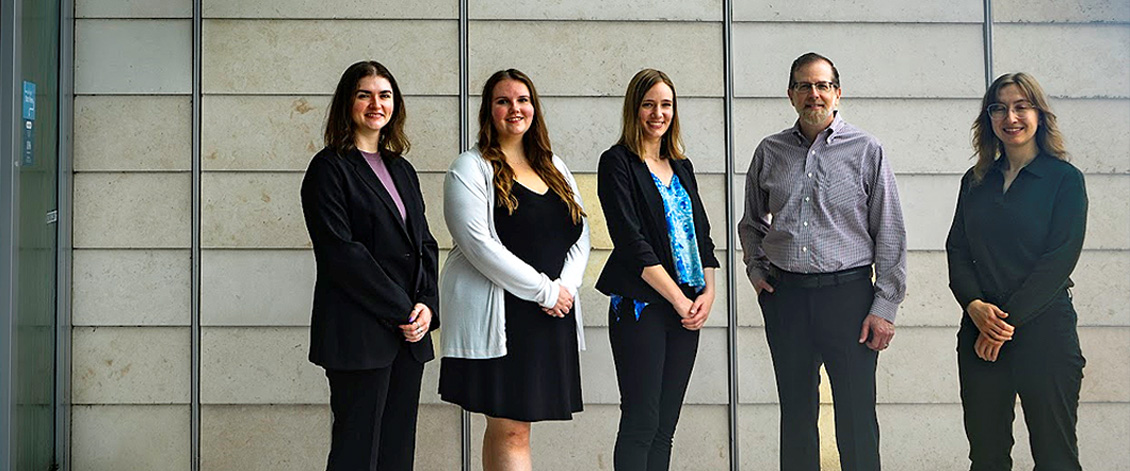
x=340 y=127
x=535 y=143
x=631 y=132
x=988 y=147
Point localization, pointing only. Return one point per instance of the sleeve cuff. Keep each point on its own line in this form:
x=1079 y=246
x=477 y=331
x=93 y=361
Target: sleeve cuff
x=756 y=273
x=554 y=292
x=884 y=308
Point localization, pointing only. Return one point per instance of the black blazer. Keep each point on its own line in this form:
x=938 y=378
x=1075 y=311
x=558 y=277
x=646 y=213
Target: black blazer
x=372 y=267
x=637 y=223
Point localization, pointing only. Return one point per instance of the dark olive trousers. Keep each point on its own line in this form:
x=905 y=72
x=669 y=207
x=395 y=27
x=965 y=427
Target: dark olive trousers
x=1043 y=365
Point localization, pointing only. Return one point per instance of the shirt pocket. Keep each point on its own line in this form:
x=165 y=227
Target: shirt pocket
x=841 y=191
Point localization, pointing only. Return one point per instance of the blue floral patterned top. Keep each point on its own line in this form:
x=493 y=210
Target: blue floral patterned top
x=680 y=228
x=684 y=244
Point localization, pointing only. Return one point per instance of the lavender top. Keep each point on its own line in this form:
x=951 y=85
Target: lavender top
x=378 y=165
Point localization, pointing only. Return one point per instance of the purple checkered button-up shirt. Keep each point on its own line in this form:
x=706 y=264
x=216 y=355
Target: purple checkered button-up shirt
x=825 y=206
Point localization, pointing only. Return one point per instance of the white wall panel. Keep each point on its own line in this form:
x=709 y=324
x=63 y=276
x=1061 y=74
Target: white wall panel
x=133 y=56
x=130 y=438
x=664 y=10
x=1095 y=62
x=1061 y=11
x=251 y=365
x=345 y=9
x=130 y=365
x=256 y=287
x=307 y=57
x=598 y=58
x=874 y=60
x=131 y=210
x=878 y=11
x=133 y=9
x=131 y=287
x=289 y=131
x=261 y=210
x=131 y=133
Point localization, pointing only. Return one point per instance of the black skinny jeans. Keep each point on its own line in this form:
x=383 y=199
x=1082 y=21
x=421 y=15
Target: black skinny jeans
x=1043 y=364
x=654 y=357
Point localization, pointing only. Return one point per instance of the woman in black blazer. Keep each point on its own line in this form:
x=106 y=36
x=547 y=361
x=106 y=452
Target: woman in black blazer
x=660 y=274
x=375 y=299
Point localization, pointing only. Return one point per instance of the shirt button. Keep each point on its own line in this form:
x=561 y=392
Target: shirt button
x=806 y=223
x=809 y=174
x=806 y=198
x=804 y=249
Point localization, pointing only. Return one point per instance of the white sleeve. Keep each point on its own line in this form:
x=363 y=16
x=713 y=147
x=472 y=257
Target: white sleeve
x=467 y=212
x=577 y=259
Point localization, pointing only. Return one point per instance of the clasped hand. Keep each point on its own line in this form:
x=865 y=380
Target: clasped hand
x=989 y=320
x=419 y=321
x=564 y=302
x=694 y=313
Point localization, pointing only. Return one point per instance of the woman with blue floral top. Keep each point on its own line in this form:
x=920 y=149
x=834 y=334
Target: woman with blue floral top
x=660 y=274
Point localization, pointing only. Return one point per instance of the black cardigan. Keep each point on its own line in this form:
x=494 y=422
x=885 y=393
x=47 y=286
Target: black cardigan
x=372 y=266
x=637 y=223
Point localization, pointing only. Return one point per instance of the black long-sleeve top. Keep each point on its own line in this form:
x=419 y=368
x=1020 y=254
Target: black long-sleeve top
x=1017 y=249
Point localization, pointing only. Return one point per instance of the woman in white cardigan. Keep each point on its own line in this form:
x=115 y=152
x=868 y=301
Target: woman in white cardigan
x=513 y=330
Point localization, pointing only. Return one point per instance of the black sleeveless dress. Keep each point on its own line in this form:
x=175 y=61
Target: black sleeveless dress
x=540 y=376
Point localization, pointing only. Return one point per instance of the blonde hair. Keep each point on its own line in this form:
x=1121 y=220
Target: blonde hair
x=988 y=147
x=631 y=132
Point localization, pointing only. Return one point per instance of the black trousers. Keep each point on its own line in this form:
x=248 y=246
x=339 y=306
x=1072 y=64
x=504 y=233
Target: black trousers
x=1044 y=366
x=374 y=416
x=809 y=326
x=654 y=357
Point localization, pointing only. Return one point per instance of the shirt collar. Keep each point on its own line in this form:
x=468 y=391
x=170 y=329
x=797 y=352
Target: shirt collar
x=1038 y=167
x=834 y=128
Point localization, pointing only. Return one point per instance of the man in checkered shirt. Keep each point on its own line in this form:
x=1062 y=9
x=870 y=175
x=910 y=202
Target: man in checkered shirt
x=821 y=211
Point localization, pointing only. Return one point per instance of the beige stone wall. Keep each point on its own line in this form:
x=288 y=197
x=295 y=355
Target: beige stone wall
x=912 y=75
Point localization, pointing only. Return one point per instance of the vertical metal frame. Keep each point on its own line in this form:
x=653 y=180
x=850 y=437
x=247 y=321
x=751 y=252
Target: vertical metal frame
x=731 y=234
x=11 y=38
x=64 y=244
x=988 y=40
x=194 y=395
x=464 y=142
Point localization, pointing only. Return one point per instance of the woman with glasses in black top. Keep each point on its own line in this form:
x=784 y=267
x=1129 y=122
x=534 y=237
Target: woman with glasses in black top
x=1015 y=239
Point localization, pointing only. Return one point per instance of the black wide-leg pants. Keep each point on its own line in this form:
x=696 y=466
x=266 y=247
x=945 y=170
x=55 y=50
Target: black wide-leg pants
x=807 y=327
x=374 y=416
x=654 y=357
x=1043 y=365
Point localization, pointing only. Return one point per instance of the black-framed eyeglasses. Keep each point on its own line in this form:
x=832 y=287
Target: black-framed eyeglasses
x=999 y=111
x=822 y=87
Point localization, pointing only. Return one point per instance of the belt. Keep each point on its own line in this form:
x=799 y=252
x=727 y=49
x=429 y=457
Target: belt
x=818 y=280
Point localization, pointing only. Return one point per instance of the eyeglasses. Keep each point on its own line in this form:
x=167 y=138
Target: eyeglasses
x=999 y=111
x=805 y=87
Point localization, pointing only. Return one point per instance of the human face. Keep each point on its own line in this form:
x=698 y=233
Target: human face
x=1015 y=131
x=372 y=105
x=815 y=108
x=512 y=109
x=656 y=111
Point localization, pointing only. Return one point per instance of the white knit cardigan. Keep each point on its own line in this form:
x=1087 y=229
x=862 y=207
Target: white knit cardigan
x=479 y=271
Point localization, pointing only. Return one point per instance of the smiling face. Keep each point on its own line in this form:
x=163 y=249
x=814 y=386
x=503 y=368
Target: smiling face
x=372 y=105
x=512 y=109
x=1016 y=131
x=656 y=110
x=815 y=108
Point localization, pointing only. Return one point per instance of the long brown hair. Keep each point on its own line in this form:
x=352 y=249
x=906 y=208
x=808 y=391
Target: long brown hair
x=631 y=132
x=988 y=147
x=535 y=143
x=340 y=127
